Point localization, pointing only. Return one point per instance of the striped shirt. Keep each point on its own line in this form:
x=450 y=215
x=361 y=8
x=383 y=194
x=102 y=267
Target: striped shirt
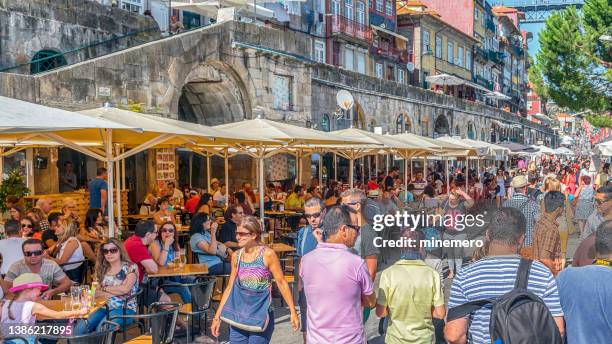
x=492 y=277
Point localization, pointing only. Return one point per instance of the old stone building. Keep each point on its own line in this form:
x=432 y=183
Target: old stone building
x=233 y=71
x=38 y=35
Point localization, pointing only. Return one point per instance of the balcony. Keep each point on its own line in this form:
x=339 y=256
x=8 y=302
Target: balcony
x=351 y=28
x=480 y=54
x=391 y=53
x=490 y=25
x=495 y=56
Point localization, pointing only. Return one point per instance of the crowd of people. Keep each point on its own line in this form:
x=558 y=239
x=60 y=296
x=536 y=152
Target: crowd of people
x=532 y=211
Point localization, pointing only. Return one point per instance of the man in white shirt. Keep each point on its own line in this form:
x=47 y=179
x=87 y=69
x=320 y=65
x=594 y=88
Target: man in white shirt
x=220 y=197
x=10 y=248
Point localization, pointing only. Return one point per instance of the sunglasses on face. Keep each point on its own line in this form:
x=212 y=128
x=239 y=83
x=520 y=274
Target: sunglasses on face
x=113 y=250
x=601 y=201
x=355 y=227
x=167 y=230
x=26 y=225
x=313 y=215
x=33 y=253
x=242 y=234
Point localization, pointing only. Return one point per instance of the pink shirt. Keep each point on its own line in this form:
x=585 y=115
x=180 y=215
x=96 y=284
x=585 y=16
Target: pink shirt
x=334 y=280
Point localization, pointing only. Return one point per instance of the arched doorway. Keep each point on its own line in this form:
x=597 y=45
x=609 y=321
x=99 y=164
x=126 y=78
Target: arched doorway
x=403 y=124
x=325 y=122
x=212 y=94
x=441 y=126
x=45 y=60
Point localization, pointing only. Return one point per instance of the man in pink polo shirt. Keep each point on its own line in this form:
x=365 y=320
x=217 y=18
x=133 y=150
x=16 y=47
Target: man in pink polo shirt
x=337 y=284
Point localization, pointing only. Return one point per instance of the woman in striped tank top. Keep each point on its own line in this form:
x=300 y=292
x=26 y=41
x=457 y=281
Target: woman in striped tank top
x=257 y=267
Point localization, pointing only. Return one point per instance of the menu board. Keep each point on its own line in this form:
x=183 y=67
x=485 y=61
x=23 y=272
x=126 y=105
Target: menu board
x=166 y=166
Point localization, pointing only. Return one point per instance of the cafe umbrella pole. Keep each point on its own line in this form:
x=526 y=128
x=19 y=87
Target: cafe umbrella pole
x=110 y=171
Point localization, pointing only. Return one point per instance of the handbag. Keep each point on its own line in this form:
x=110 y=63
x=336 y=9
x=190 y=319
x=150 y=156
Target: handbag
x=245 y=308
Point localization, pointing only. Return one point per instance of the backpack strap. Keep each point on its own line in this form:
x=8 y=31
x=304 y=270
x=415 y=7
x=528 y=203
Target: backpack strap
x=466 y=309
x=522 y=276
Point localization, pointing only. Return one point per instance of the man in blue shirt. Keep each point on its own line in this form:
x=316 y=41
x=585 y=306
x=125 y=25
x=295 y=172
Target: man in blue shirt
x=307 y=240
x=98 y=189
x=586 y=294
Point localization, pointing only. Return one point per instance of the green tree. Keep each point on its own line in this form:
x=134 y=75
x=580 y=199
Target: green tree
x=573 y=64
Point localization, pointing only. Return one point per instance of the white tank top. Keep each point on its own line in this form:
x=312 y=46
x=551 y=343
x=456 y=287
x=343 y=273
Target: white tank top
x=22 y=311
x=77 y=255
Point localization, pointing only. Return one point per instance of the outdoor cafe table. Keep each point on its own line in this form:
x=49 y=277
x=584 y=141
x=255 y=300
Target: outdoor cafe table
x=58 y=306
x=282 y=215
x=281 y=248
x=187 y=270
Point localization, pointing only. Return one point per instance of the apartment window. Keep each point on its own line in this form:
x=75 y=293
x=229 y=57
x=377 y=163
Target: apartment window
x=336 y=7
x=401 y=76
x=348 y=9
x=389 y=8
x=438 y=47
x=282 y=92
x=379 y=70
x=349 y=57
x=380 y=5
x=361 y=12
x=449 y=52
x=426 y=46
x=459 y=61
x=319 y=51
x=361 y=62
x=294 y=8
x=476 y=13
x=468 y=59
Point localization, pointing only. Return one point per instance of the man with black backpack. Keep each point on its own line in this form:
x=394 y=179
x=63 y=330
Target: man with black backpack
x=503 y=299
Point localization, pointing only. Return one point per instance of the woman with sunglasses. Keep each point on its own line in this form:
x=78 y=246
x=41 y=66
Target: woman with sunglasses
x=164 y=249
x=203 y=233
x=254 y=266
x=28 y=228
x=118 y=280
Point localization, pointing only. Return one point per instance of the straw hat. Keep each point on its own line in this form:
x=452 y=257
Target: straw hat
x=28 y=280
x=519 y=181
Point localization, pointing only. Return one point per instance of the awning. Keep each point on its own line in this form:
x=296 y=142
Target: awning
x=476 y=86
x=444 y=80
x=389 y=32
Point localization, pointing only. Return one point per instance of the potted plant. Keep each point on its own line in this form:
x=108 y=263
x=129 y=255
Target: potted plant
x=13 y=185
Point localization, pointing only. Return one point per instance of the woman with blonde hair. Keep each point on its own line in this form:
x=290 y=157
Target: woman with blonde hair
x=69 y=209
x=70 y=249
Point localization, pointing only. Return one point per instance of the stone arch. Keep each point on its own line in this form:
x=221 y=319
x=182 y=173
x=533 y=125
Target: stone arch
x=441 y=126
x=403 y=124
x=45 y=60
x=214 y=93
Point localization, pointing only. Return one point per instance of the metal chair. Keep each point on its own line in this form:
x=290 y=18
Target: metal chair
x=124 y=327
x=201 y=299
x=106 y=335
x=290 y=273
x=83 y=268
x=160 y=323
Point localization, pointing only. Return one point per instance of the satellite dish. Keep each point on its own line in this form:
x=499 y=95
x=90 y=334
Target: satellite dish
x=344 y=100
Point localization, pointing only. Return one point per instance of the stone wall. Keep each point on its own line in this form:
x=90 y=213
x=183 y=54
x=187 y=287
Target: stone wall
x=66 y=26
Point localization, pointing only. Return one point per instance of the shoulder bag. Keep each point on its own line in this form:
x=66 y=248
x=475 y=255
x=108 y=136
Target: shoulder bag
x=245 y=308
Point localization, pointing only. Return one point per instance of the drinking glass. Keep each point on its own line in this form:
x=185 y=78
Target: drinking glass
x=177 y=260
x=183 y=259
x=66 y=302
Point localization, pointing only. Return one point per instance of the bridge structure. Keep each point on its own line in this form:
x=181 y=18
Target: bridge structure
x=536 y=11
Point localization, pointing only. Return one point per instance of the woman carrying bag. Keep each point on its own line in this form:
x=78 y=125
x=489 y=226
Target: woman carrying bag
x=246 y=302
